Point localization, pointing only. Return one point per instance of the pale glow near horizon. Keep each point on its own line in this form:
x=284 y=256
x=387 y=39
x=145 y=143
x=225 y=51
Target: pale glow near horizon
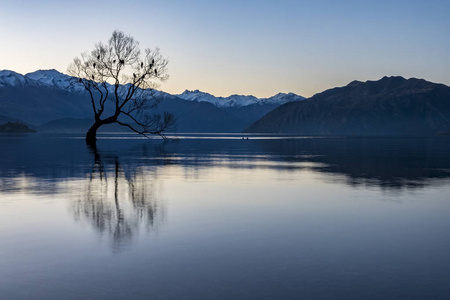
x=241 y=47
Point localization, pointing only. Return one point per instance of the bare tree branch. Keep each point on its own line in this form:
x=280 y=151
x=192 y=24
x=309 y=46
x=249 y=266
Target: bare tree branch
x=118 y=71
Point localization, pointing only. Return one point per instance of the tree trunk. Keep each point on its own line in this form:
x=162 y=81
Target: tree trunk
x=91 y=135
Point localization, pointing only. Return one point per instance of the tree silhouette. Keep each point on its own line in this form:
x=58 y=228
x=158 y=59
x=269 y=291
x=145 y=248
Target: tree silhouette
x=121 y=81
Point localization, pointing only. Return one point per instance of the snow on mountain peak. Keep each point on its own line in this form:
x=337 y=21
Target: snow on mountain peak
x=51 y=77
x=237 y=100
x=56 y=79
x=282 y=95
x=199 y=96
x=193 y=95
x=282 y=98
x=11 y=78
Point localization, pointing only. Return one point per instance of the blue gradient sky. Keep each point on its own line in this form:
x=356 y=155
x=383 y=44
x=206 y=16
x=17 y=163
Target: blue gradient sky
x=241 y=47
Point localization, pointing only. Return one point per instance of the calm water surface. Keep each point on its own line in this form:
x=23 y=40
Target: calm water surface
x=218 y=217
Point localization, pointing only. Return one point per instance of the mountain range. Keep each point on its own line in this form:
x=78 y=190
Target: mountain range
x=391 y=106
x=45 y=100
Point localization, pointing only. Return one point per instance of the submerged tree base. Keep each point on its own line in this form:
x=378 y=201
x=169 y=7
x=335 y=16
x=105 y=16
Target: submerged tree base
x=91 y=135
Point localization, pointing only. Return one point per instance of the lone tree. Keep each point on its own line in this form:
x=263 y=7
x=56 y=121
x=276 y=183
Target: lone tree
x=120 y=81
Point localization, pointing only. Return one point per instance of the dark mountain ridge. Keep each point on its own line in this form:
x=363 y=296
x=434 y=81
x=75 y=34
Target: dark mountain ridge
x=387 y=107
x=45 y=100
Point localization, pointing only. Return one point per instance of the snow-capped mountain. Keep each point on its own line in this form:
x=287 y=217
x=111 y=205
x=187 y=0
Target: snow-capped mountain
x=65 y=82
x=47 y=95
x=41 y=78
x=238 y=100
x=282 y=98
x=234 y=100
x=52 y=78
x=12 y=79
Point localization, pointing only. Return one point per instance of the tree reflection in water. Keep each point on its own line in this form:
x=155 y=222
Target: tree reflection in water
x=119 y=200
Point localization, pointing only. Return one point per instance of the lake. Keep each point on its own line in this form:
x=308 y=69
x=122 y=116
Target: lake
x=222 y=217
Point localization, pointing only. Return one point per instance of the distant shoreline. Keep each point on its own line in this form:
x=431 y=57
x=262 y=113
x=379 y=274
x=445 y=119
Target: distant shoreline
x=15 y=127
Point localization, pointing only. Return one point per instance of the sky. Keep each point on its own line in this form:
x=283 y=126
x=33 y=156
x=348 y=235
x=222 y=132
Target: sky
x=241 y=47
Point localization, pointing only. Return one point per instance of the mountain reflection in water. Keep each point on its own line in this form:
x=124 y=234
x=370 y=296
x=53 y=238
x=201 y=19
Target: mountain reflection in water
x=387 y=163
x=119 y=180
x=221 y=216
